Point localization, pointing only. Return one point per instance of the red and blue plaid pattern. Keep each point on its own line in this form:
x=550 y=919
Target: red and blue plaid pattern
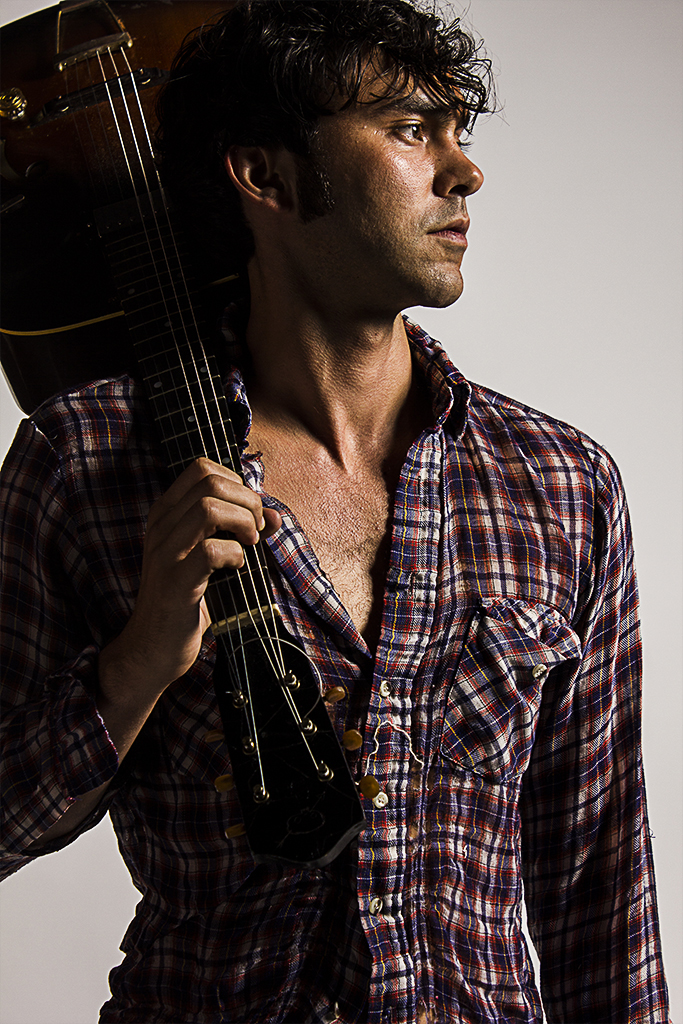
x=500 y=717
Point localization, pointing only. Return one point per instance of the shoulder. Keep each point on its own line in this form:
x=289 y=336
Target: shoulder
x=93 y=444
x=96 y=416
x=549 y=443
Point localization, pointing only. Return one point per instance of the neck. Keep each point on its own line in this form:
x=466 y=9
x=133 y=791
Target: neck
x=343 y=379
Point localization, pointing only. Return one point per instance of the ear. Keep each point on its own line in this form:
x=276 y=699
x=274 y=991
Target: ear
x=262 y=175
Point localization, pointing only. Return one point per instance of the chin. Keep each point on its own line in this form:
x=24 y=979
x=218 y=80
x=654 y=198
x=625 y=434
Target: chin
x=439 y=294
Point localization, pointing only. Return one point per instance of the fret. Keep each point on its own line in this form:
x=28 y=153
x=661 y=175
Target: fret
x=141 y=244
x=166 y=377
x=176 y=334
x=160 y=392
x=135 y=286
x=157 y=355
x=176 y=465
x=199 y=414
x=166 y=303
x=249 y=588
x=184 y=449
x=153 y=246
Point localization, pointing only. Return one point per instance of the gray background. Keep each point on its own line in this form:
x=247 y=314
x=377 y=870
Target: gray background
x=573 y=305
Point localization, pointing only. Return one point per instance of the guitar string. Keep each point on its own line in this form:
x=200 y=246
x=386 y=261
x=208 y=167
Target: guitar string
x=133 y=83
x=288 y=696
x=251 y=725
x=162 y=293
x=250 y=712
x=230 y=443
x=105 y=137
x=105 y=187
x=210 y=381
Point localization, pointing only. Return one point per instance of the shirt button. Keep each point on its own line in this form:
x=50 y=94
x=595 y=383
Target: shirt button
x=369 y=786
x=334 y=694
x=352 y=740
x=235 y=830
x=213 y=736
x=381 y=800
x=539 y=671
x=224 y=783
x=384 y=689
x=376 y=904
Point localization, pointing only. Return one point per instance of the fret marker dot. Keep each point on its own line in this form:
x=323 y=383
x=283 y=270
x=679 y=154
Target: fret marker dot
x=190 y=419
x=131 y=291
x=157 y=384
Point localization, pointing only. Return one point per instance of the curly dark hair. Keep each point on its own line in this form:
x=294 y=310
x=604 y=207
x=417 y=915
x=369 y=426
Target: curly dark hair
x=269 y=69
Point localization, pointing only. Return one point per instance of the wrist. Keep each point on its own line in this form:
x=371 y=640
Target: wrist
x=125 y=679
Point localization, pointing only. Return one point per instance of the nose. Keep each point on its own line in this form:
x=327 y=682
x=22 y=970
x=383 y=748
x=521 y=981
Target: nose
x=455 y=173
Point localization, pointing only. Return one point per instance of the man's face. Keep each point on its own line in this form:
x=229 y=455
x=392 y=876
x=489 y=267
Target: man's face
x=394 y=179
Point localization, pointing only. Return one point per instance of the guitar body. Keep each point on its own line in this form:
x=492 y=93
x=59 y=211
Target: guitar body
x=57 y=162
x=81 y=177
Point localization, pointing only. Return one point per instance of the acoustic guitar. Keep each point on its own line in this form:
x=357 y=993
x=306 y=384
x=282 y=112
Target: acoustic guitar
x=97 y=274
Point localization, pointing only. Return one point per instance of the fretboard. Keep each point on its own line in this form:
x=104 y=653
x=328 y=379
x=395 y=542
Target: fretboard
x=148 y=261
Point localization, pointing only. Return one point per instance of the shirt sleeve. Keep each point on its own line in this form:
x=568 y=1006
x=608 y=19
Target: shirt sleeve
x=55 y=747
x=588 y=870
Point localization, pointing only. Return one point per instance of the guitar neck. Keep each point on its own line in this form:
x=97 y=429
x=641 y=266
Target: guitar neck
x=148 y=261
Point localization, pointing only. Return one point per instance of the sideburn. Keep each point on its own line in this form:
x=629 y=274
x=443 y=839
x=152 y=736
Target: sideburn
x=313 y=188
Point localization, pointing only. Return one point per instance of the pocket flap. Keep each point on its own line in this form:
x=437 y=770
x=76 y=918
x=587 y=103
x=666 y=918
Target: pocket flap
x=493 y=702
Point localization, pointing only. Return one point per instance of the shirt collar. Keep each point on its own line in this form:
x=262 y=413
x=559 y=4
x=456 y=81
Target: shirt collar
x=450 y=391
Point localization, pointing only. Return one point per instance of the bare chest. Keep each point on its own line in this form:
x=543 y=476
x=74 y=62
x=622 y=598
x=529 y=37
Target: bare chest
x=347 y=522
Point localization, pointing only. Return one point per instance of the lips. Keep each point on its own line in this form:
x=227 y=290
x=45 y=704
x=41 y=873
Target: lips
x=455 y=231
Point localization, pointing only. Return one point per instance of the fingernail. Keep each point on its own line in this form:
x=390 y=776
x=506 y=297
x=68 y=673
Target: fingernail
x=262 y=524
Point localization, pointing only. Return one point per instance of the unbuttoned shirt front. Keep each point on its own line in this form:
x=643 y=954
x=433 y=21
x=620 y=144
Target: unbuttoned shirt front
x=499 y=715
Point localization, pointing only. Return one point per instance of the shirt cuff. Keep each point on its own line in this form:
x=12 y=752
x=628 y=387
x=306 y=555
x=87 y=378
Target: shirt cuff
x=83 y=754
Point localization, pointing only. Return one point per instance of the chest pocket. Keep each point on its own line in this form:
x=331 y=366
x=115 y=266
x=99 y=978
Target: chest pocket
x=493 y=702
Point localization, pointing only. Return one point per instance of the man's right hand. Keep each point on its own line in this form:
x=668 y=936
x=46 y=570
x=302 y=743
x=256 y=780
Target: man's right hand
x=162 y=638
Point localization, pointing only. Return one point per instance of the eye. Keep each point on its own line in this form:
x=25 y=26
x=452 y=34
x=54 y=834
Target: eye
x=413 y=131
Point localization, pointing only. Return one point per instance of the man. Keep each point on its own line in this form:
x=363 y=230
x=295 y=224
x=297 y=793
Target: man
x=458 y=563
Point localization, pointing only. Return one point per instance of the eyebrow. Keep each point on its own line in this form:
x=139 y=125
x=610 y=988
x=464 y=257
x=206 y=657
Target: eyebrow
x=414 y=105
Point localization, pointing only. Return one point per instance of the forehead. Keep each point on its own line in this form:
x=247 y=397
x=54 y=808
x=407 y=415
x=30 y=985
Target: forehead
x=380 y=97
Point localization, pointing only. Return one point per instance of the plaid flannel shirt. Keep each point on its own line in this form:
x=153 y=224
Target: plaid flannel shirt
x=500 y=715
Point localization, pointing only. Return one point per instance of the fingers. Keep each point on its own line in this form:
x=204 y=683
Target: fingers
x=204 y=480
x=191 y=519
